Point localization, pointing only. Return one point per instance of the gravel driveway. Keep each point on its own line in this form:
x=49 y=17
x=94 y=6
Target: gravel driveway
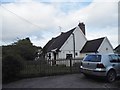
x=63 y=81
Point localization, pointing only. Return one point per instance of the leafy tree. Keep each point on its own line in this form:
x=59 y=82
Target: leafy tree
x=26 y=49
x=22 y=47
x=13 y=55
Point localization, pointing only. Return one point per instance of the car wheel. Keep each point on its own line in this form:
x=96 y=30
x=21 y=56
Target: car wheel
x=111 y=76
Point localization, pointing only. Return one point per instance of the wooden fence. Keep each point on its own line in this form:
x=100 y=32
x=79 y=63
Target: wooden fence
x=50 y=67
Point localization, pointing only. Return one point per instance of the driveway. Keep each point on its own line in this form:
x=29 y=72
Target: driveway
x=63 y=81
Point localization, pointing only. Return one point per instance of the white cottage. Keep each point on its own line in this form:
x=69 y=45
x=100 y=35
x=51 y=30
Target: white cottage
x=74 y=44
x=66 y=44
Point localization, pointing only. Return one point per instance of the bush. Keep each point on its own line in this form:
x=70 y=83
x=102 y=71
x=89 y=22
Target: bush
x=11 y=66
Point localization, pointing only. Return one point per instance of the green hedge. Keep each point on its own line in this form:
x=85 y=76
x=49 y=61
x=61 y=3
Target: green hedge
x=11 y=67
x=14 y=67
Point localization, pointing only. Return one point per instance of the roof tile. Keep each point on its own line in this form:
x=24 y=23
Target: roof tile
x=92 y=45
x=57 y=42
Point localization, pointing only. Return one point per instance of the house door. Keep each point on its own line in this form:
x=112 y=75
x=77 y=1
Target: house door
x=54 y=61
x=54 y=56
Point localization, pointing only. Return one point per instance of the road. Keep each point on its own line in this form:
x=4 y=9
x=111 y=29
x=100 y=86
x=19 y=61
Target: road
x=63 y=81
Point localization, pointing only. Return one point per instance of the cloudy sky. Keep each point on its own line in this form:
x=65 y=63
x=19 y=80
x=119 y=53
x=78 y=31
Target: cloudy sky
x=43 y=19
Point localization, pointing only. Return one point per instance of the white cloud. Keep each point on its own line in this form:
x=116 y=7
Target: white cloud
x=0 y=26
x=99 y=17
x=105 y=0
x=110 y=32
x=20 y=19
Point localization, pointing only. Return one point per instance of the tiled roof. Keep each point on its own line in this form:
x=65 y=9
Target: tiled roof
x=57 y=42
x=117 y=47
x=92 y=45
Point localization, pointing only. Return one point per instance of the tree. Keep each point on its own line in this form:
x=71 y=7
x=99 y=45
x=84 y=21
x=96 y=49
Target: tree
x=22 y=47
x=13 y=57
x=26 y=49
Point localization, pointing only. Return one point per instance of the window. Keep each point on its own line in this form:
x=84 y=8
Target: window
x=93 y=58
x=113 y=58
x=76 y=54
x=106 y=48
x=119 y=58
x=49 y=56
x=68 y=56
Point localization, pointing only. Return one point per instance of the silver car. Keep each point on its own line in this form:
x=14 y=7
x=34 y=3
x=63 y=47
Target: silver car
x=107 y=65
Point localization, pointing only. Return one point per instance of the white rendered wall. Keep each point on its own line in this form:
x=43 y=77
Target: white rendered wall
x=67 y=48
x=105 y=47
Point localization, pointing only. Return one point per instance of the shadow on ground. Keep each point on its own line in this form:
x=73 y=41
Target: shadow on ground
x=95 y=79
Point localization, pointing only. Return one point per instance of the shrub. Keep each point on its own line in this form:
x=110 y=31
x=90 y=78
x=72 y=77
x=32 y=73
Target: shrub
x=11 y=66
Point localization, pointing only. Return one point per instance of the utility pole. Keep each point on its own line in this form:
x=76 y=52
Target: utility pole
x=73 y=44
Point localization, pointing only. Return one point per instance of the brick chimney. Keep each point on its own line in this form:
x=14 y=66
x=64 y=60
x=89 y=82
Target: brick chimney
x=82 y=27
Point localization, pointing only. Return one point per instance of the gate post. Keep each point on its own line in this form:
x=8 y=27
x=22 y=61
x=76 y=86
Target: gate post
x=70 y=65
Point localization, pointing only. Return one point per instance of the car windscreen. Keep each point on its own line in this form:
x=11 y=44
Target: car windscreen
x=93 y=58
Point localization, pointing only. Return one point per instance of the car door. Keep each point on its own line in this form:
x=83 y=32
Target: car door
x=118 y=64
x=114 y=62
